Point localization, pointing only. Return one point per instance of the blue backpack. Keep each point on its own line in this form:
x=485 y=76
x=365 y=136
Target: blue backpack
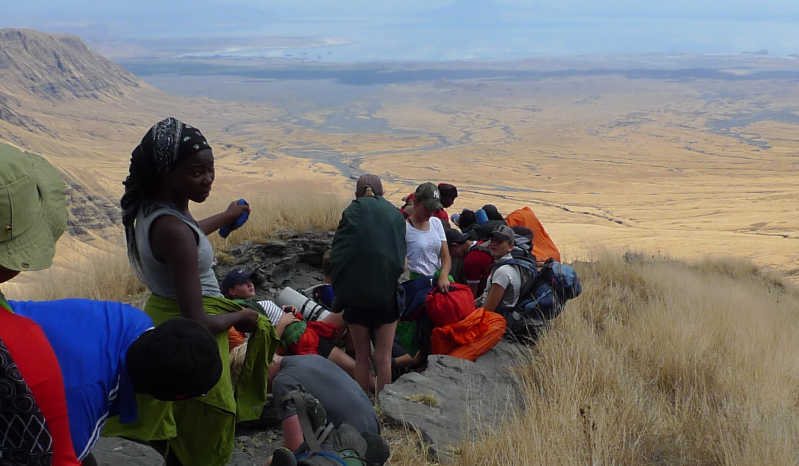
x=543 y=294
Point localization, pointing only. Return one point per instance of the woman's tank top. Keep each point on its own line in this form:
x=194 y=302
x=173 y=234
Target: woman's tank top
x=156 y=273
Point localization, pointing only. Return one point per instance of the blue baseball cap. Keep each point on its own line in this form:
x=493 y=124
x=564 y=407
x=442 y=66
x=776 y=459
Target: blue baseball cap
x=236 y=277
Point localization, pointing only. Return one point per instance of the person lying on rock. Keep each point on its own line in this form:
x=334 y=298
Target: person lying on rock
x=169 y=252
x=83 y=360
x=238 y=285
x=342 y=397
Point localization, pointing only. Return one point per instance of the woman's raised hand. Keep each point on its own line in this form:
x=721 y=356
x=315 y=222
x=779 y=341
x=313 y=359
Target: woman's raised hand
x=235 y=209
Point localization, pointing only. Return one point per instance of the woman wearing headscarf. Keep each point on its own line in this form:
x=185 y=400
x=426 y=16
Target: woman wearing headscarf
x=368 y=257
x=169 y=251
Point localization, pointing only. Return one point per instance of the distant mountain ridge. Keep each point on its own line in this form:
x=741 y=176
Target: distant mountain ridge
x=58 y=68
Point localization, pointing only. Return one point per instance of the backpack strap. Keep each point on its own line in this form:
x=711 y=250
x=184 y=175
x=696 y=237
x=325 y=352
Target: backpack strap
x=305 y=423
x=325 y=432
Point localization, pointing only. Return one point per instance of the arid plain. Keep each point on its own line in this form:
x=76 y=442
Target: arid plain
x=681 y=163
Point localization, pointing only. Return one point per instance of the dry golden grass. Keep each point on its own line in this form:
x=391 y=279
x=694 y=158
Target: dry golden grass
x=103 y=276
x=661 y=362
x=290 y=209
x=107 y=275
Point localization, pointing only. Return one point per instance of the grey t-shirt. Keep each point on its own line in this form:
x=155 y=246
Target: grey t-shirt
x=508 y=277
x=343 y=399
x=156 y=273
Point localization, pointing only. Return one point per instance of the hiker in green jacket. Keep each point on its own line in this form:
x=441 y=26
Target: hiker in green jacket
x=169 y=251
x=368 y=256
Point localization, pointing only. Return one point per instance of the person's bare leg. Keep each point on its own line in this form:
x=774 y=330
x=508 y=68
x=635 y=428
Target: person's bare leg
x=384 y=340
x=336 y=319
x=342 y=360
x=363 y=350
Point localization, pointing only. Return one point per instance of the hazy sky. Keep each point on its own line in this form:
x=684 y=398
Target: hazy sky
x=439 y=29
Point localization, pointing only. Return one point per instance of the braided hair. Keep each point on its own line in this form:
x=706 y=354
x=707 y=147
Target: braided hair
x=165 y=145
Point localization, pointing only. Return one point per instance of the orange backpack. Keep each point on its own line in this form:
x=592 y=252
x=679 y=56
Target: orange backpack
x=543 y=246
x=471 y=337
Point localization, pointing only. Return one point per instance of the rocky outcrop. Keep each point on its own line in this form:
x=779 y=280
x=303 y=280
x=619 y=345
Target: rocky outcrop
x=89 y=213
x=9 y=112
x=454 y=398
x=58 y=67
x=448 y=403
x=292 y=259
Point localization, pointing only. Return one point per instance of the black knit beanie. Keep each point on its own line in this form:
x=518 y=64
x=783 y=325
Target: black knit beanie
x=177 y=360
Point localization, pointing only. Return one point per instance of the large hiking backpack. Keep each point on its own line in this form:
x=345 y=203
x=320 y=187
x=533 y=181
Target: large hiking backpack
x=368 y=253
x=450 y=307
x=543 y=294
x=481 y=231
x=327 y=444
x=471 y=337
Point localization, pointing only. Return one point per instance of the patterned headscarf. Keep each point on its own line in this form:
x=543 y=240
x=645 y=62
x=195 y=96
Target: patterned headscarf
x=169 y=142
x=165 y=145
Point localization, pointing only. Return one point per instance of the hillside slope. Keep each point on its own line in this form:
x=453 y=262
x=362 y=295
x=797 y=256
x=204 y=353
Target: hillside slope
x=85 y=114
x=58 y=67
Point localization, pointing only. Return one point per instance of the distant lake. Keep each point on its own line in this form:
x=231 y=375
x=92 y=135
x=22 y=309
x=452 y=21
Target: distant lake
x=404 y=40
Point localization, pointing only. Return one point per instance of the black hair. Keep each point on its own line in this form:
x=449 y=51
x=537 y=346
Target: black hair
x=142 y=182
x=492 y=213
x=467 y=219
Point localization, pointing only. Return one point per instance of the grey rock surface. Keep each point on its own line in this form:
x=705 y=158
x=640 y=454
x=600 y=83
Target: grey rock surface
x=454 y=398
x=292 y=259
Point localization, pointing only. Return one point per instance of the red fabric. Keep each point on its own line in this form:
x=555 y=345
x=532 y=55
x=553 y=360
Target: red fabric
x=471 y=337
x=450 y=307
x=477 y=267
x=39 y=367
x=543 y=246
x=309 y=341
x=442 y=215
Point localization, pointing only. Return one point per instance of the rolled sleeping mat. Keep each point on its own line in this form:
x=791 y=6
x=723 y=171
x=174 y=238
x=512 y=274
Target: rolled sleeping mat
x=481 y=216
x=310 y=309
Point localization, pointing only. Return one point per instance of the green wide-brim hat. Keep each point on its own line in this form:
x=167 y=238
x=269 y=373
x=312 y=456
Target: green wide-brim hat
x=33 y=210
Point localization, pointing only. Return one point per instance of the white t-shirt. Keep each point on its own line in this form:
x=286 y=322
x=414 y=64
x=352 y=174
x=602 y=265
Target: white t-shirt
x=508 y=277
x=424 y=247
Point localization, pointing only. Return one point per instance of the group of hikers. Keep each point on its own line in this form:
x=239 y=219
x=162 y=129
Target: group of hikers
x=71 y=370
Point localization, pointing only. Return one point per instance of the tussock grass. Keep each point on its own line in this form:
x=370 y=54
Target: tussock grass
x=101 y=275
x=107 y=275
x=658 y=362
x=661 y=362
x=271 y=213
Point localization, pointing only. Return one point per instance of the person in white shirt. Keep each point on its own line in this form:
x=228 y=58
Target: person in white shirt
x=428 y=253
x=505 y=281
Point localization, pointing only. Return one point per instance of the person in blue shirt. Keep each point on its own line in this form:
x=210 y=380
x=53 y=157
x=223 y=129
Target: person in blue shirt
x=109 y=352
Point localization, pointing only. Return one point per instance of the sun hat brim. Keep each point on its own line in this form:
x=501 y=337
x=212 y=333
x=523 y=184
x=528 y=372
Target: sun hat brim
x=34 y=249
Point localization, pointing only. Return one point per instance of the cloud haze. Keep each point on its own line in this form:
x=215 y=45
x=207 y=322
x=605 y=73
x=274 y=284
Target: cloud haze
x=439 y=29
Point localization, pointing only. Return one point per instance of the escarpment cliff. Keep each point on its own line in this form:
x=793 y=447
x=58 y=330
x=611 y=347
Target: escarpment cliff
x=58 y=67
